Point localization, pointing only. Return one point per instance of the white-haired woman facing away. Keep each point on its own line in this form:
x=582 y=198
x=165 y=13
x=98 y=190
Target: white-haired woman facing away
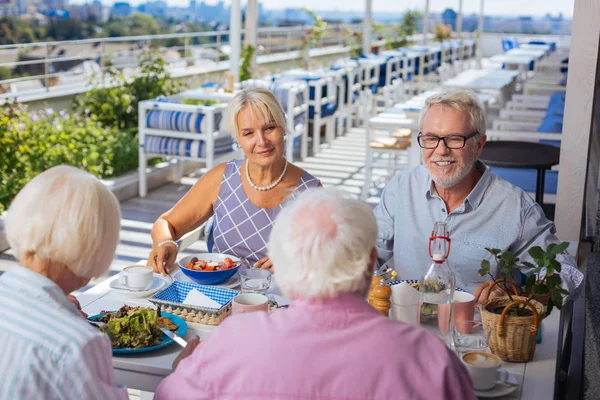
x=244 y=196
x=63 y=227
x=330 y=343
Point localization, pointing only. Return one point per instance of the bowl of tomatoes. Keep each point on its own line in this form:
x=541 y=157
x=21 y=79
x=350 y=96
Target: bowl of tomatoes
x=209 y=268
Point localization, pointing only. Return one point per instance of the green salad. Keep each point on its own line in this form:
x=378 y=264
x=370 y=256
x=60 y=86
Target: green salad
x=132 y=327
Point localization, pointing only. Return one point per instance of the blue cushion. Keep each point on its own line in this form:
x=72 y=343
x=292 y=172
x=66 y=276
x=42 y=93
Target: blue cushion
x=180 y=121
x=526 y=178
x=555 y=109
x=563 y=81
x=374 y=87
x=326 y=110
x=551 y=124
x=185 y=147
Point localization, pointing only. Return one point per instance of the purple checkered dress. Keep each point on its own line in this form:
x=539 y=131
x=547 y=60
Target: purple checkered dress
x=240 y=228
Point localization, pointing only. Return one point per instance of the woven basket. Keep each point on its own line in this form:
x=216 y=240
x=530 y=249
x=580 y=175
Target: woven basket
x=512 y=338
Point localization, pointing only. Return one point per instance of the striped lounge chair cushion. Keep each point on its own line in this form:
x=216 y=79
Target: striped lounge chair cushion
x=186 y=147
x=181 y=121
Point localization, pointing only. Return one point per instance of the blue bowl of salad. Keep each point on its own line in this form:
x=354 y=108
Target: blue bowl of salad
x=209 y=268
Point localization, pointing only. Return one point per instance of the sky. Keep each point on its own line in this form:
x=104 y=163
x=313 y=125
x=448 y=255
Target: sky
x=492 y=7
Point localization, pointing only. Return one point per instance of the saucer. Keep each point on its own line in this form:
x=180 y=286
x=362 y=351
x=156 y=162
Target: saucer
x=157 y=283
x=230 y=283
x=500 y=389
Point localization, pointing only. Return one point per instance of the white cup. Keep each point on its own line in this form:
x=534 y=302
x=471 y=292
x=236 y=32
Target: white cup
x=484 y=369
x=136 y=277
x=249 y=302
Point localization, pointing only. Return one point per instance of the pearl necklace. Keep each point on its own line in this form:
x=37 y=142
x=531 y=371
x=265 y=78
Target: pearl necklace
x=268 y=187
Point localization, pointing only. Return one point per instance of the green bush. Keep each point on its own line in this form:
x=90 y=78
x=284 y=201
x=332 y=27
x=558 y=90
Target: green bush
x=99 y=136
x=30 y=144
x=117 y=106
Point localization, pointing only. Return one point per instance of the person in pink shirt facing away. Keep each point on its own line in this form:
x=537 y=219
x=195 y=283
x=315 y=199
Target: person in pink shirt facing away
x=330 y=343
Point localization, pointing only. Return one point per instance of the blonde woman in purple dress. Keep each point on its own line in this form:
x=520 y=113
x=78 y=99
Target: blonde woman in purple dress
x=244 y=196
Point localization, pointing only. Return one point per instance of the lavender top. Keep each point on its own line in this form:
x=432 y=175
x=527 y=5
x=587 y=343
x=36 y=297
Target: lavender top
x=241 y=228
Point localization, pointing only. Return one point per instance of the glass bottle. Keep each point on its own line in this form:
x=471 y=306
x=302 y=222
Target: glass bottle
x=436 y=287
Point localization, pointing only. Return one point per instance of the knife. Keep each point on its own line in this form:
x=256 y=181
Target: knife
x=173 y=336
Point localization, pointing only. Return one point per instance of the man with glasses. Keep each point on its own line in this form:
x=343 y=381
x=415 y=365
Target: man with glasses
x=480 y=209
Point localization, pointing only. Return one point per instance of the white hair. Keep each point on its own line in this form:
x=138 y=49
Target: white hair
x=68 y=216
x=260 y=100
x=321 y=245
x=461 y=100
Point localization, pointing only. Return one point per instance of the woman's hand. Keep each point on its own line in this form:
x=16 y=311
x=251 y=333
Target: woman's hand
x=481 y=292
x=264 y=263
x=162 y=257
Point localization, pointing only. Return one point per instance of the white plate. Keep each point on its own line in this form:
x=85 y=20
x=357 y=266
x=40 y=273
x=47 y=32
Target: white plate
x=157 y=283
x=230 y=283
x=500 y=389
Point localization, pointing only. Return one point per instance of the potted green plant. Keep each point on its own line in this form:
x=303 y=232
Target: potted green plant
x=514 y=318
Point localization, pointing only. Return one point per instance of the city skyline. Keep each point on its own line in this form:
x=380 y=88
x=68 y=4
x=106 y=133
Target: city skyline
x=492 y=7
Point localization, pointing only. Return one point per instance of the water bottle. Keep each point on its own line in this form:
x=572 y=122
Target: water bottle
x=436 y=287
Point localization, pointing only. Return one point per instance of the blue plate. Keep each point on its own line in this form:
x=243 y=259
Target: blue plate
x=166 y=341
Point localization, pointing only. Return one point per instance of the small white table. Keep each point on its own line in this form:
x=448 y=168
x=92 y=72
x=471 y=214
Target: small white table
x=146 y=370
x=500 y=82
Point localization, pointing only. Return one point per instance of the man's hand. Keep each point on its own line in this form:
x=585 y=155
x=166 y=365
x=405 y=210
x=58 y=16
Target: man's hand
x=161 y=258
x=481 y=292
x=189 y=349
x=74 y=300
x=264 y=263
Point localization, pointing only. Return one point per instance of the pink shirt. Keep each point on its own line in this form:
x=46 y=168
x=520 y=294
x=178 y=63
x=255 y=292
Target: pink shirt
x=338 y=348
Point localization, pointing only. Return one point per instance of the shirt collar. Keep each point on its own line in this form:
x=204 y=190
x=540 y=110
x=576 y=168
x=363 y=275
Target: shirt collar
x=40 y=285
x=474 y=198
x=344 y=301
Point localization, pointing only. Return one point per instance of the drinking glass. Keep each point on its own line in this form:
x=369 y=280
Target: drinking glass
x=255 y=280
x=471 y=336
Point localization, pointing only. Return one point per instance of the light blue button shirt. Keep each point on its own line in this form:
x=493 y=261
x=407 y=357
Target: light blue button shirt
x=496 y=214
x=47 y=349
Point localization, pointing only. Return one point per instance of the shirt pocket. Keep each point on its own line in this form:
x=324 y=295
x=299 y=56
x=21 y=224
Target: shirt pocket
x=469 y=253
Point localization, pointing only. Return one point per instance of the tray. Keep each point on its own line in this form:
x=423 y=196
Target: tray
x=170 y=300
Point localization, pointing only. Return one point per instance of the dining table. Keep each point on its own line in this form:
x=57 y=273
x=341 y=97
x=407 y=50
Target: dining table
x=145 y=371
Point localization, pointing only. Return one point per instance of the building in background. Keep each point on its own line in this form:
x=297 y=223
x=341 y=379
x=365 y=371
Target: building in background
x=122 y=9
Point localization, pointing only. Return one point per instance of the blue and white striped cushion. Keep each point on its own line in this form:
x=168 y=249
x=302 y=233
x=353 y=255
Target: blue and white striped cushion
x=181 y=121
x=186 y=147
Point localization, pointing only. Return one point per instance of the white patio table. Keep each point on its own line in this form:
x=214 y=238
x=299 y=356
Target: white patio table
x=497 y=81
x=537 y=53
x=146 y=370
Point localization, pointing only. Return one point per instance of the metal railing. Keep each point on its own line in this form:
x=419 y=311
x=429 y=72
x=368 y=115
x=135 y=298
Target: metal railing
x=48 y=64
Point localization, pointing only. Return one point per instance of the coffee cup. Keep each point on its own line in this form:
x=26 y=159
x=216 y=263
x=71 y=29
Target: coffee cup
x=249 y=302
x=464 y=310
x=136 y=277
x=484 y=369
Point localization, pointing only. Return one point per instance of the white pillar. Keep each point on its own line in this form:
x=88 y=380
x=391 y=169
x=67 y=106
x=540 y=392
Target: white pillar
x=459 y=17
x=251 y=37
x=426 y=21
x=235 y=33
x=579 y=154
x=480 y=33
x=367 y=27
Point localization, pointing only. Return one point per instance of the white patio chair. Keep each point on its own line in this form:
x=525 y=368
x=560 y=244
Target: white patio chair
x=184 y=132
x=384 y=152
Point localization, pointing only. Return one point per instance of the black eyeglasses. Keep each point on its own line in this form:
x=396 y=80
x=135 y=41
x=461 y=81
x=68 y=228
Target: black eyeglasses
x=451 y=142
